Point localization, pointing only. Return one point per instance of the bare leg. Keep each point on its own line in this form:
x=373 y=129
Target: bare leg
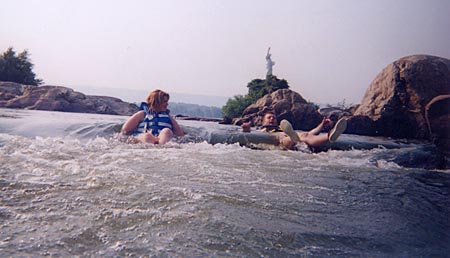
x=165 y=136
x=337 y=130
x=313 y=137
x=289 y=130
x=147 y=138
x=314 y=140
x=286 y=141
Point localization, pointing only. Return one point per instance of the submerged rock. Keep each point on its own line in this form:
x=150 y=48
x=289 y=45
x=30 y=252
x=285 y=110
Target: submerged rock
x=425 y=156
x=195 y=118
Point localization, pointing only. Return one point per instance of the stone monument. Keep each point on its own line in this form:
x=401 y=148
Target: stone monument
x=269 y=63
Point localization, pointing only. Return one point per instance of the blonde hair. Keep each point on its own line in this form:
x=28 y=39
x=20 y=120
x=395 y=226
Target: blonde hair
x=156 y=98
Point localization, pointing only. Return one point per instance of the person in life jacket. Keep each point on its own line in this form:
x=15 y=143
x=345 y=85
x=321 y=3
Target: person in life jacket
x=153 y=123
x=288 y=138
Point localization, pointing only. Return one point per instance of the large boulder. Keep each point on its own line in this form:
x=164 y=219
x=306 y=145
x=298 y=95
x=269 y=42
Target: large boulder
x=58 y=98
x=286 y=104
x=394 y=104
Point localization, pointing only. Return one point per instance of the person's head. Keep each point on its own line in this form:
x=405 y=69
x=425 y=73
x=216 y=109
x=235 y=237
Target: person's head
x=158 y=100
x=269 y=118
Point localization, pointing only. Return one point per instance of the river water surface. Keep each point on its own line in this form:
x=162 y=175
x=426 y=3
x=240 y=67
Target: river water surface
x=68 y=188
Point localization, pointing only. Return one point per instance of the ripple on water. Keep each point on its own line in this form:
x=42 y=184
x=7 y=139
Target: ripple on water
x=70 y=197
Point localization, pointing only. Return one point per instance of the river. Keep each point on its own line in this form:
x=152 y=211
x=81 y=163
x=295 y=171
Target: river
x=70 y=188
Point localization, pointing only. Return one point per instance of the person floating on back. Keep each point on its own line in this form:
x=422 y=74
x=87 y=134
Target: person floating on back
x=153 y=123
x=288 y=138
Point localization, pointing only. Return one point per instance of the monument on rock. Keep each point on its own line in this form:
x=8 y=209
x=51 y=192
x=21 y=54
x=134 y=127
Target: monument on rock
x=269 y=63
x=273 y=94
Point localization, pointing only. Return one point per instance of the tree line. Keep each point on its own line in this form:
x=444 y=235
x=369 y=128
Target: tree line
x=195 y=110
x=17 y=67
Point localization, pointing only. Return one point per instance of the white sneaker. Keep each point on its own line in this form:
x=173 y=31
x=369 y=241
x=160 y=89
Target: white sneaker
x=337 y=130
x=287 y=128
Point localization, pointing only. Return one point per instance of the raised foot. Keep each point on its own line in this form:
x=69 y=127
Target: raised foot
x=287 y=128
x=337 y=130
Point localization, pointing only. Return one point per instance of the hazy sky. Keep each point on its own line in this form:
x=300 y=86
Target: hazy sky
x=328 y=50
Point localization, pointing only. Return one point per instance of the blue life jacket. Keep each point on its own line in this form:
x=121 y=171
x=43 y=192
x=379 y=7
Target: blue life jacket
x=153 y=122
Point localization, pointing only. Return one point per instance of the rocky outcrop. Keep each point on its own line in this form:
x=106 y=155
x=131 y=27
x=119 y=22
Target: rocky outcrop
x=394 y=104
x=286 y=104
x=58 y=98
x=334 y=113
x=406 y=100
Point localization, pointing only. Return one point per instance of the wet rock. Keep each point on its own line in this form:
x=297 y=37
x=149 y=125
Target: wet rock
x=425 y=156
x=396 y=99
x=226 y=121
x=335 y=113
x=10 y=90
x=58 y=98
x=286 y=104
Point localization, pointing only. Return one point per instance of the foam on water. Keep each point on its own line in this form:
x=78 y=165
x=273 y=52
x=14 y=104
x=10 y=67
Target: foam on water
x=74 y=194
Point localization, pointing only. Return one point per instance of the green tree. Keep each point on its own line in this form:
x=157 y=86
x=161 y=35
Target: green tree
x=235 y=106
x=17 y=68
x=257 y=89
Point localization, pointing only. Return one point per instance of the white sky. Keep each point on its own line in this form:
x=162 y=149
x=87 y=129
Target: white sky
x=328 y=50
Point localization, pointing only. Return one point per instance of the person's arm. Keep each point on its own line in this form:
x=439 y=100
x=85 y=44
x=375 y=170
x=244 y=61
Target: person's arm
x=132 y=123
x=176 y=127
x=246 y=127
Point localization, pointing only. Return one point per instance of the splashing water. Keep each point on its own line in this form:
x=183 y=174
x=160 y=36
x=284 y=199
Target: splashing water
x=69 y=189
